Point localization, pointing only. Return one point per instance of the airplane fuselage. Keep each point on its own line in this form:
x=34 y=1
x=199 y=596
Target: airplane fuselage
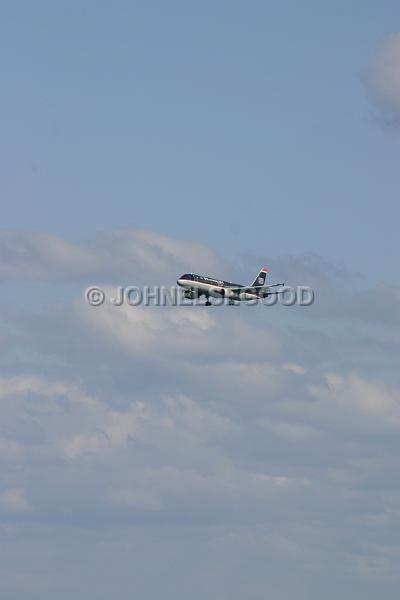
x=200 y=285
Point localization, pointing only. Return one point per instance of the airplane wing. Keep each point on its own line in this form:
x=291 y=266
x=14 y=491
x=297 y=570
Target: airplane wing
x=257 y=288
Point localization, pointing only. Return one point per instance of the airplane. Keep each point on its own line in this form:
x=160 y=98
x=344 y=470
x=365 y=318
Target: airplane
x=200 y=285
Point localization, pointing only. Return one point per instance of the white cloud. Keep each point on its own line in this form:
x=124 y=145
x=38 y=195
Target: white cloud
x=127 y=254
x=220 y=482
x=14 y=501
x=293 y=368
x=163 y=333
x=383 y=78
x=131 y=498
x=82 y=444
x=379 y=562
x=215 y=424
x=33 y=384
x=357 y=403
x=294 y=432
x=10 y=450
x=176 y=422
x=43 y=256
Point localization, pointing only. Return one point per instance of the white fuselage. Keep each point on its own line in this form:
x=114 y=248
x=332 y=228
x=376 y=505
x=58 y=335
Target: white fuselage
x=215 y=288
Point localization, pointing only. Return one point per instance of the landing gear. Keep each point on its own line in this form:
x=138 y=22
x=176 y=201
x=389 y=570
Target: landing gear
x=208 y=303
x=231 y=303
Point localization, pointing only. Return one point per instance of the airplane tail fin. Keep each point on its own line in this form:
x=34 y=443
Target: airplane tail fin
x=260 y=279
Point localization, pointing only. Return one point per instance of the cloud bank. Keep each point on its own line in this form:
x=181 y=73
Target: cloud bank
x=130 y=252
x=220 y=447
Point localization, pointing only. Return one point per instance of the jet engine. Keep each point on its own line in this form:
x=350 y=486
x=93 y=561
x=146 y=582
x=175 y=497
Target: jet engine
x=219 y=291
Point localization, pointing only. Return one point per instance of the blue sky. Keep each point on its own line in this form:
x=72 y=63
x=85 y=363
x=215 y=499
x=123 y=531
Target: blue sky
x=228 y=452
x=206 y=121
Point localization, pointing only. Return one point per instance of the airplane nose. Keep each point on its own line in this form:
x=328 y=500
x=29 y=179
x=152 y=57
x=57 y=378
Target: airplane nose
x=179 y=281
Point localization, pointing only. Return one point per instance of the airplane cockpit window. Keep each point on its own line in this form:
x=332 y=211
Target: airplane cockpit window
x=188 y=276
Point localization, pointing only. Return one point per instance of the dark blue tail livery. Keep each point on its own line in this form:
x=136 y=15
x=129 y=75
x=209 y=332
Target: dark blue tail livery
x=260 y=279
